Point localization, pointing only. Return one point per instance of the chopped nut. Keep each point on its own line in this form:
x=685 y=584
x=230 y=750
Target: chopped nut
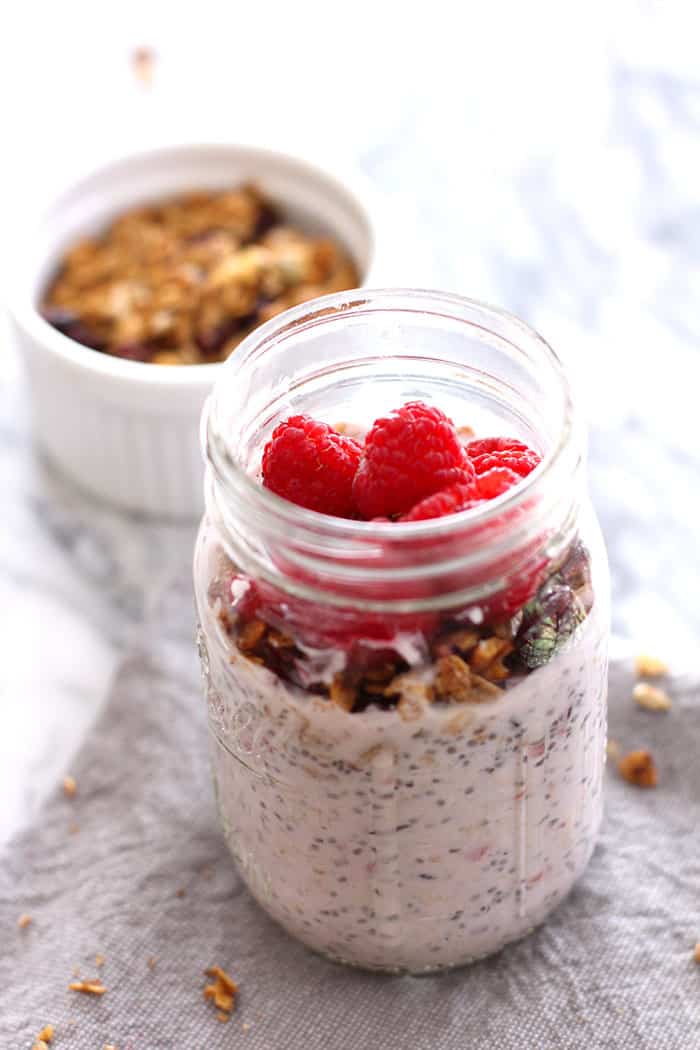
x=638 y=768
x=613 y=750
x=152 y=960
x=250 y=634
x=650 y=666
x=180 y=892
x=88 y=987
x=453 y=679
x=24 y=921
x=245 y=1026
x=109 y=1046
x=465 y=433
x=99 y=961
x=696 y=953
x=223 y=990
x=342 y=694
x=40 y=1045
x=69 y=787
x=455 y=682
x=413 y=695
x=651 y=698
x=487 y=658
x=462 y=641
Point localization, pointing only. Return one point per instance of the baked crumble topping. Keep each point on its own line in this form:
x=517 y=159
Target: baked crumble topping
x=184 y=280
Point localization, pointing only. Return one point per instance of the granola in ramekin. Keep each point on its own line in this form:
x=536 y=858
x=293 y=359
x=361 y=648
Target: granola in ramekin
x=184 y=280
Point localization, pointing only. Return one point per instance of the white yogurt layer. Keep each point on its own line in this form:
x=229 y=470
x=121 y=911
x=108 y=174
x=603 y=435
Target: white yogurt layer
x=410 y=845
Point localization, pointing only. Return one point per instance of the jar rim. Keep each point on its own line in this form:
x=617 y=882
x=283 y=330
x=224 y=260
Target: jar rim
x=463 y=557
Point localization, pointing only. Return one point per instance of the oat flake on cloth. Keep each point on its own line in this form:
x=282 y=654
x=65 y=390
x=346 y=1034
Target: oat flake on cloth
x=147 y=875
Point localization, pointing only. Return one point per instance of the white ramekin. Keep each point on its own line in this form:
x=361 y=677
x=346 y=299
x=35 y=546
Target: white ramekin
x=126 y=431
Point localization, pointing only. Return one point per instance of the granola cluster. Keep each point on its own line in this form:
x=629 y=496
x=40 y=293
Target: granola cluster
x=183 y=281
x=464 y=663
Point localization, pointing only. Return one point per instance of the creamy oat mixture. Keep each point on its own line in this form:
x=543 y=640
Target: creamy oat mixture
x=415 y=839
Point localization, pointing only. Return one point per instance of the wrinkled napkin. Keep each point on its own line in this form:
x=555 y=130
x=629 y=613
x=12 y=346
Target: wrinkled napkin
x=146 y=876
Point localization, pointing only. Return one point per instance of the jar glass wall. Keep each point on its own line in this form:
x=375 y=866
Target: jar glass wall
x=407 y=719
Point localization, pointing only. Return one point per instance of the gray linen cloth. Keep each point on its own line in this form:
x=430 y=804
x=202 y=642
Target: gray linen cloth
x=147 y=875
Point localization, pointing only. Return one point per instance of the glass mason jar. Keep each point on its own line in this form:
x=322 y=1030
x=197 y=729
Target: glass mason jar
x=407 y=719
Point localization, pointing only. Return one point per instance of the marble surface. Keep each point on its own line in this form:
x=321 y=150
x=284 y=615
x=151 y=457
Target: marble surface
x=542 y=160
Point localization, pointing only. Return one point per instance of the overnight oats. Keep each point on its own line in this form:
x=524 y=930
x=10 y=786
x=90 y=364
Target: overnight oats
x=403 y=605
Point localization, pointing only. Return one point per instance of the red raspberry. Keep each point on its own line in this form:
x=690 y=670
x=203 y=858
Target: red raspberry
x=487 y=453
x=308 y=463
x=449 y=501
x=495 y=444
x=408 y=455
x=494 y=482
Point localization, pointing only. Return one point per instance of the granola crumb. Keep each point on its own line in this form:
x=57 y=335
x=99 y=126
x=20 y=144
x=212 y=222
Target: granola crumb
x=638 y=767
x=109 y=1046
x=73 y=828
x=24 y=921
x=342 y=694
x=70 y=787
x=612 y=749
x=246 y=1026
x=696 y=953
x=99 y=960
x=250 y=634
x=221 y=1016
x=648 y=666
x=461 y=641
x=222 y=990
x=453 y=679
x=651 y=697
x=143 y=64
x=152 y=960
x=88 y=987
x=40 y=1044
x=180 y=892
x=44 y=1038
x=487 y=658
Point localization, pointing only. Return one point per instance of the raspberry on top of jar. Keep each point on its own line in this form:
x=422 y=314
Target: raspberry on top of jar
x=185 y=280
x=412 y=465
